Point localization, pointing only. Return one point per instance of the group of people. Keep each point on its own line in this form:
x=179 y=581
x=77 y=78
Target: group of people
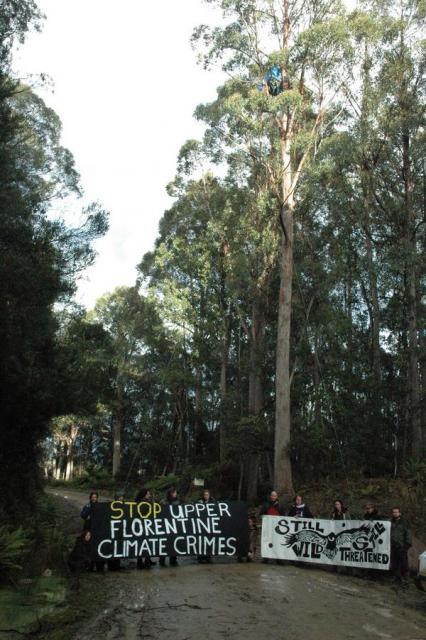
x=401 y=538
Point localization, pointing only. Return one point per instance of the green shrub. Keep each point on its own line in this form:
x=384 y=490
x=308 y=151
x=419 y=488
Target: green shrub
x=14 y=545
x=415 y=470
x=161 y=483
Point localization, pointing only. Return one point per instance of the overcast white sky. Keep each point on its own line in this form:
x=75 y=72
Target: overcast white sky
x=123 y=124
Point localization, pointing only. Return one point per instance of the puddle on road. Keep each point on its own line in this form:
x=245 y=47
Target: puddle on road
x=386 y=613
x=371 y=629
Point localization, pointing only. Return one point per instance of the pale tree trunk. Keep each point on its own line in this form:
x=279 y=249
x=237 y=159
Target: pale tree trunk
x=283 y=479
x=411 y=299
x=224 y=387
x=375 y=311
x=282 y=463
x=117 y=426
x=198 y=418
x=71 y=438
x=366 y=178
x=58 y=461
x=70 y=463
x=255 y=399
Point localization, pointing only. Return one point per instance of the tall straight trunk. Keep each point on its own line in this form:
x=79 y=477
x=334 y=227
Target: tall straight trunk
x=71 y=439
x=375 y=310
x=411 y=301
x=117 y=427
x=224 y=359
x=198 y=419
x=70 y=462
x=257 y=339
x=282 y=462
x=255 y=397
x=283 y=478
x=366 y=179
x=317 y=383
x=58 y=461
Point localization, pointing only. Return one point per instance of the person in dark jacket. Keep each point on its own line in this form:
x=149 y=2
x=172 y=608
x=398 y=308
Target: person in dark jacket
x=340 y=512
x=79 y=559
x=206 y=499
x=371 y=512
x=171 y=499
x=401 y=541
x=251 y=553
x=272 y=507
x=86 y=511
x=299 y=509
x=144 y=495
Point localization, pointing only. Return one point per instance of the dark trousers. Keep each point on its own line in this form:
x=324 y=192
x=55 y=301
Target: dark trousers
x=399 y=562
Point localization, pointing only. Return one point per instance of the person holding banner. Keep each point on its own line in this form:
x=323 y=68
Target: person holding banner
x=371 y=512
x=206 y=499
x=144 y=495
x=272 y=507
x=86 y=511
x=170 y=499
x=340 y=512
x=299 y=509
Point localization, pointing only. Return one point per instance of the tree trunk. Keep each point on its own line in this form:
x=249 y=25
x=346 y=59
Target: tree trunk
x=375 y=311
x=117 y=427
x=282 y=462
x=198 y=417
x=255 y=393
x=411 y=299
x=223 y=387
x=70 y=462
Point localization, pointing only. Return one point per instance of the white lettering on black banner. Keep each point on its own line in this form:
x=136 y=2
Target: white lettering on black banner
x=130 y=530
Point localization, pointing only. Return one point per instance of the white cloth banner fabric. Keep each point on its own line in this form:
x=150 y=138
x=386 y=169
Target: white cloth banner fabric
x=350 y=543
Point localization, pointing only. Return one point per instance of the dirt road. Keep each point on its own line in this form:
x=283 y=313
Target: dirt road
x=227 y=600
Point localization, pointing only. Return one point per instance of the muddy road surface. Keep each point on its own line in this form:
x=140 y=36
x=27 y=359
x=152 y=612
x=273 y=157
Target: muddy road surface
x=227 y=600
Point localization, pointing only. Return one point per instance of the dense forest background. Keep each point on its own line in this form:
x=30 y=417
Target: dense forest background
x=276 y=332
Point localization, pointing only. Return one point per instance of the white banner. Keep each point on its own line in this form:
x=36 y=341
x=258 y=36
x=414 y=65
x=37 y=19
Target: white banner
x=350 y=543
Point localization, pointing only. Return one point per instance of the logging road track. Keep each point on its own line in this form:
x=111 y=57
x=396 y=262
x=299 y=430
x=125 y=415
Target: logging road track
x=226 y=600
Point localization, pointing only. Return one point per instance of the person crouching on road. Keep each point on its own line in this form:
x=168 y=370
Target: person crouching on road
x=79 y=559
x=206 y=499
x=299 y=509
x=171 y=499
x=272 y=507
x=144 y=495
x=401 y=541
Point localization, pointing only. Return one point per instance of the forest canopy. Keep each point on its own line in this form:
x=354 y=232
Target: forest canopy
x=276 y=331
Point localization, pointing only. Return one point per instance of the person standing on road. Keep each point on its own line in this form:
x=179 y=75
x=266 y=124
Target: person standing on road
x=340 y=512
x=86 y=514
x=144 y=495
x=401 y=541
x=171 y=499
x=299 y=509
x=371 y=512
x=87 y=510
x=272 y=507
x=206 y=499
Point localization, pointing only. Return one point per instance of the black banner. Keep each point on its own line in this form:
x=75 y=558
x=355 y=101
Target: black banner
x=131 y=530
